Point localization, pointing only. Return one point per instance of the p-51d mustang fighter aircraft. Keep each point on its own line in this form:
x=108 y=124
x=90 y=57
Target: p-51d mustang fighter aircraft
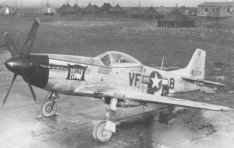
x=115 y=77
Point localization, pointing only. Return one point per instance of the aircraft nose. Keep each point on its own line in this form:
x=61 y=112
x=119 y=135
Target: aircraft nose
x=17 y=65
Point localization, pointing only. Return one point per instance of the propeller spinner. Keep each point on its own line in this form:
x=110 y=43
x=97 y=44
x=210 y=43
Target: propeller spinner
x=19 y=63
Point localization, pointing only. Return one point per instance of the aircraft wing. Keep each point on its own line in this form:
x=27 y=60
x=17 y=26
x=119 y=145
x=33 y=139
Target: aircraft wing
x=148 y=98
x=202 y=81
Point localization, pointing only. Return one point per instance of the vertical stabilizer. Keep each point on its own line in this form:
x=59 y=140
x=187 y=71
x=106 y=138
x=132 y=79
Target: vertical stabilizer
x=196 y=67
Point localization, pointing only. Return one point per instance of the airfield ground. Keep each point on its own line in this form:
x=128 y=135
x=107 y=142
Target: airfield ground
x=21 y=125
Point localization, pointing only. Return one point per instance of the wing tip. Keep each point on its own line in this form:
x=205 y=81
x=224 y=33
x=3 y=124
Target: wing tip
x=227 y=109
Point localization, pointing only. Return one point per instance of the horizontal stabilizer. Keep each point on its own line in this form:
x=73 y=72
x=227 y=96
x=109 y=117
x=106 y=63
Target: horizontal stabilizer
x=202 y=81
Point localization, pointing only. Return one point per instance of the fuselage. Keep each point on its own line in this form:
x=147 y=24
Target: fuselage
x=76 y=75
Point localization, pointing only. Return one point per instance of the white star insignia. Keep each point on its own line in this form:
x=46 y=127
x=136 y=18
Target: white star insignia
x=155 y=81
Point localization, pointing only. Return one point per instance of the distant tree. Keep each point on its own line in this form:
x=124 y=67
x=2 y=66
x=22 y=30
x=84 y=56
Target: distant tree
x=183 y=7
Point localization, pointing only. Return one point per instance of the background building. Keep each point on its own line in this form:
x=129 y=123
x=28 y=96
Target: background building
x=92 y=10
x=48 y=10
x=117 y=10
x=135 y=13
x=215 y=9
x=67 y=10
x=151 y=13
x=105 y=8
x=176 y=19
x=7 y=10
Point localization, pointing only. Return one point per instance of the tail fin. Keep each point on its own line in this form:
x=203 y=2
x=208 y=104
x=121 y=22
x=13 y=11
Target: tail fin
x=196 y=67
x=10 y=44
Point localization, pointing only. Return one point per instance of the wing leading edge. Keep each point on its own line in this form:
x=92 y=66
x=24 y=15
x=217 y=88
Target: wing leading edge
x=148 y=98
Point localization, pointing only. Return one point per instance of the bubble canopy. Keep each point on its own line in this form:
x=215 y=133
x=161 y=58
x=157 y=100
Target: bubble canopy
x=116 y=58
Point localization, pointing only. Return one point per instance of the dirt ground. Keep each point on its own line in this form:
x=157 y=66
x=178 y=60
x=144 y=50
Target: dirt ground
x=21 y=125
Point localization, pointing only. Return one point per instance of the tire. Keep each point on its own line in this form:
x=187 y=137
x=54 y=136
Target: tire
x=95 y=127
x=100 y=134
x=49 y=108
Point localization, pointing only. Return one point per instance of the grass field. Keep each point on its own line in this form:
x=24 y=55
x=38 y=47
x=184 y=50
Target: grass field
x=141 y=39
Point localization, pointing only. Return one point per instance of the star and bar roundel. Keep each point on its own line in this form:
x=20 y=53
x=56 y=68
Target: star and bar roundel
x=155 y=82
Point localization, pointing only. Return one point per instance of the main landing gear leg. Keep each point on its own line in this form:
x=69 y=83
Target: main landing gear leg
x=49 y=106
x=102 y=130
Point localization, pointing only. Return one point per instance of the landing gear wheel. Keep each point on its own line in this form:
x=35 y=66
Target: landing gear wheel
x=49 y=108
x=100 y=134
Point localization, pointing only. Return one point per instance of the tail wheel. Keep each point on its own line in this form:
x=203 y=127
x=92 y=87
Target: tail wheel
x=100 y=134
x=49 y=108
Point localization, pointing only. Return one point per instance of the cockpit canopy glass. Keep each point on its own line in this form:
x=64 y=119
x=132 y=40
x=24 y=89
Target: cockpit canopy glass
x=113 y=57
x=106 y=60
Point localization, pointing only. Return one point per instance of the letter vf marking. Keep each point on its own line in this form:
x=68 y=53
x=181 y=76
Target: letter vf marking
x=137 y=78
x=131 y=78
x=134 y=78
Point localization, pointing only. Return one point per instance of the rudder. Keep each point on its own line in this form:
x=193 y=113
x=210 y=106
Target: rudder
x=196 y=67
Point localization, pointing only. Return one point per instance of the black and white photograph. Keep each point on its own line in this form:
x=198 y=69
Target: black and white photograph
x=116 y=73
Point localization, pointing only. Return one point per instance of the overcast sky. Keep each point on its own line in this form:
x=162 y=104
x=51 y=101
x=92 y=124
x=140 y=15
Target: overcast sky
x=147 y=3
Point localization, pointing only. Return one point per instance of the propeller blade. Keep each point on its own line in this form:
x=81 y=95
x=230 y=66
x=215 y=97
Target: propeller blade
x=32 y=91
x=30 y=39
x=4 y=101
x=10 y=44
